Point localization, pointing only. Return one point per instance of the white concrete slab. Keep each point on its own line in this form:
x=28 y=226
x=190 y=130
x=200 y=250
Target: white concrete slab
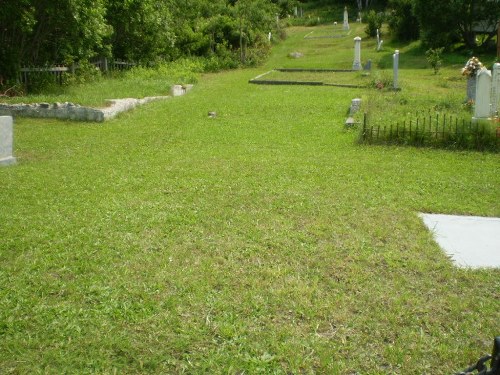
x=471 y=241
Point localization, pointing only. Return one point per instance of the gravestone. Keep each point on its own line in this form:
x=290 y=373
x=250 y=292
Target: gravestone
x=345 y=27
x=495 y=89
x=471 y=88
x=355 y=106
x=6 y=140
x=395 y=67
x=483 y=94
x=379 y=42
x=368 y=65
x=356 y=65
x=269 y=36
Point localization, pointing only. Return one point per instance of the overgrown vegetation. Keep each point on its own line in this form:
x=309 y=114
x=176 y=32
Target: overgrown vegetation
x=41 y=33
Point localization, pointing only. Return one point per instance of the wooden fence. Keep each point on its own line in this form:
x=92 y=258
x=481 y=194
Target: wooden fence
x=436 y=130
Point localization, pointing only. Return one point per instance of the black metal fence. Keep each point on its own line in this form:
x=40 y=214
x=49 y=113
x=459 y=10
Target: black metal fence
x=437 y=130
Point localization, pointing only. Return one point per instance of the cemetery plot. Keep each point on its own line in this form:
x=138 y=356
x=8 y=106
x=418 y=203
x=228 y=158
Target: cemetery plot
x=435 y=130
x=325 y=34
x=313 y=77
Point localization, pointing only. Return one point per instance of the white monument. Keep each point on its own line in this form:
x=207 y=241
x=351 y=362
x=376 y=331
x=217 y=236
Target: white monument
x=395 y=67
x=6 y=140
x=483 y=94
x=356 y=65
x=346 y=20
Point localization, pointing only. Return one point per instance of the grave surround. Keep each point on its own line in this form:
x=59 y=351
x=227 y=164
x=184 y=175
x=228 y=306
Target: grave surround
x=70 y=111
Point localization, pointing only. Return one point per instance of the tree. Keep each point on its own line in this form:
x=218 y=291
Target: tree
x=141 y=29
x=402 y=21
x=253 y=16
x=447 y=21
x=37 y=32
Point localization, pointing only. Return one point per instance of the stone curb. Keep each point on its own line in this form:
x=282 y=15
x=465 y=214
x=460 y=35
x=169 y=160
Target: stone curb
x=70 y=111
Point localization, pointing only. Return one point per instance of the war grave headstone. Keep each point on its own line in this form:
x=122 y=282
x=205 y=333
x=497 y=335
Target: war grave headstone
x=6 y=140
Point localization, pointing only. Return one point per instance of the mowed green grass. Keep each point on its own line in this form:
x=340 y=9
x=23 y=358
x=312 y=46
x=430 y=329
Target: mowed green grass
x=264 y=241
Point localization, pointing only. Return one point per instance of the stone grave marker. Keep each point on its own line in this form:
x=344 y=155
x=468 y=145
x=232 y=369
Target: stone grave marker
x=395 y=67
x=379 y=42
x=483 y=94
x=6 y=140
x=345 y=27
x=495 y=89
x=356 y=65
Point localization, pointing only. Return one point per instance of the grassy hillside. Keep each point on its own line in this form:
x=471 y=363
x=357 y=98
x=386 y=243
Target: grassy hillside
x=264 y=241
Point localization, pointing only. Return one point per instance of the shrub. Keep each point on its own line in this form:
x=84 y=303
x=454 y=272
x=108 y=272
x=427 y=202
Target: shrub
x=402 y=22
x=374 y=21
x=433 y=56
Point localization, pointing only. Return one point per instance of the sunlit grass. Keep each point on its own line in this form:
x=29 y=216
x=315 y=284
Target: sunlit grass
x=265 y=240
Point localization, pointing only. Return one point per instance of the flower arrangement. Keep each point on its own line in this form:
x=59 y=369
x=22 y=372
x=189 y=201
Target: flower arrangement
x=472 y=66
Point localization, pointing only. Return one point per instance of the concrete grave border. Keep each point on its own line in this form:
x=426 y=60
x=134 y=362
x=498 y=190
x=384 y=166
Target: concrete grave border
x=258 y=81
x=70 y=111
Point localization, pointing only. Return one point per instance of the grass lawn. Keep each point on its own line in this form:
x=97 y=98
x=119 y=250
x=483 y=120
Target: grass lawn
x=264 y=241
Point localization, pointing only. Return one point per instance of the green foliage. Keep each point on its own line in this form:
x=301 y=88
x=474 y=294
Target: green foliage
x=382 y=80
x=447 y=22
x=142 y=29
x=402 y=21
x=374 y=21
x=42 y=32
x=434 y=58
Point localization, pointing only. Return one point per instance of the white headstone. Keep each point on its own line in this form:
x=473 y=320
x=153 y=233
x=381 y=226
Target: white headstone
x=356 y=65
x=269 y=36
x=346 y=20
x=395 y=67
x=495 y=89
x=355 y=106
x=483 y=94
x=6 y=140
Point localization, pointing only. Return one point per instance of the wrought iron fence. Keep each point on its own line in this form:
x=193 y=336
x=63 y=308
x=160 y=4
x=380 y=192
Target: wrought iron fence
x=437 y=130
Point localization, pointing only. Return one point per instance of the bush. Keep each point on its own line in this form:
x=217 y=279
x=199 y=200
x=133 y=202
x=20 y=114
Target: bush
x=402 y=21
x=374 y=21
x=433 y=56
